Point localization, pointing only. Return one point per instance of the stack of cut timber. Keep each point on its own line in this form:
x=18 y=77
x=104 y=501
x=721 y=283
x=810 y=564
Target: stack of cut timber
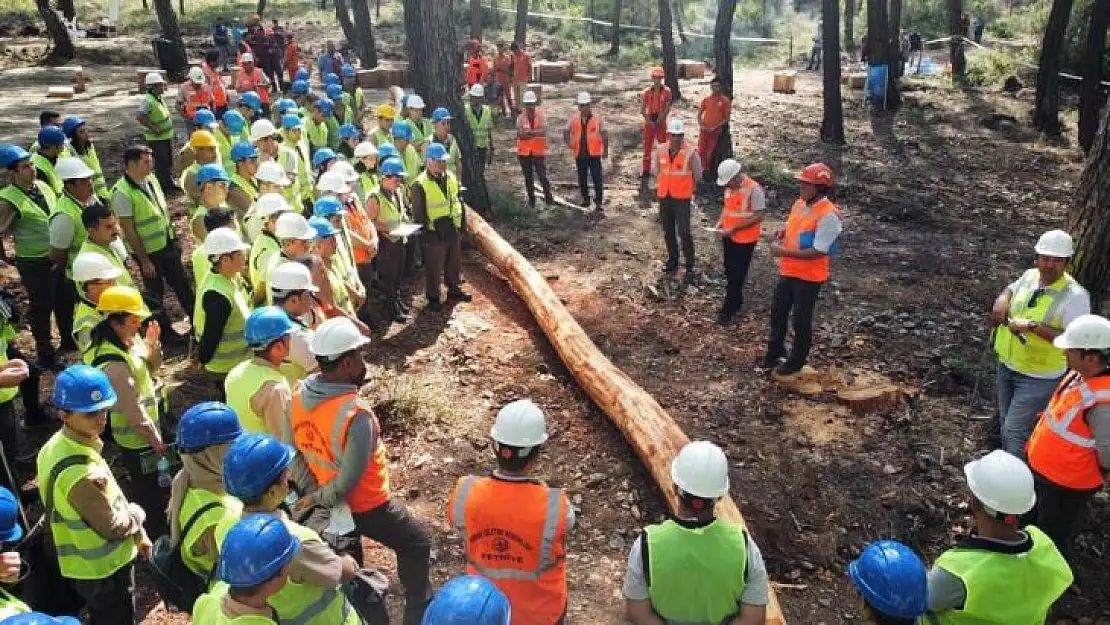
x=784 y=82
x=553 y=71
x=384 y=76
x=140 y=77
x=688 y=68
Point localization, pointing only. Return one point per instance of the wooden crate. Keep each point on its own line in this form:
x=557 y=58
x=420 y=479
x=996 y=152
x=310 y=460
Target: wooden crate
x=140 y=76
x=784 y=82
x=688 y=68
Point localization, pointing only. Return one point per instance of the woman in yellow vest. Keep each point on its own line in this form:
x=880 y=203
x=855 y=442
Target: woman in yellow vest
x=337 y=208
x=202 y=266
x=267 y=210
x=272 y=181
x=387 y=209
x=11 y=563
x=257 y=471
x=224 y=303
x=441 y=134
x=334 y=293
x=229 y=133
x=96 y=532
x=292 y=135
x=366 y=166
x=205 y=150
x=214 y=182
x=198 y=500
x=256 y=388
x=403 y=140
x=244 y=187
x=81 y=146
x=93 y=274
x=293 y=291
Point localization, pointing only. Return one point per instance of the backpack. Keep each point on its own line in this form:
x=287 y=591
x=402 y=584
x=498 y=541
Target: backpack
x=175 y=582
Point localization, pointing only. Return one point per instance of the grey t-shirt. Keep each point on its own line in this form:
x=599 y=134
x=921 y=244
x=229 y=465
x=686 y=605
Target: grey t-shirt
x=62 y=230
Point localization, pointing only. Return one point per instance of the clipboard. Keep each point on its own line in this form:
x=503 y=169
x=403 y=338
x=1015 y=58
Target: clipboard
x=405 y=230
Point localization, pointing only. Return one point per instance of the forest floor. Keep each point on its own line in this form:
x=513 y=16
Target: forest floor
x=940 y=213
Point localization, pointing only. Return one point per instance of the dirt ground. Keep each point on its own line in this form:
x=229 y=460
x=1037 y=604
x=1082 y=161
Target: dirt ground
x=940 y=213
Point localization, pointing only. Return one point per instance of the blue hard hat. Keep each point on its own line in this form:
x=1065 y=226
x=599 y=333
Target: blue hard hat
x=441 y=114
x=891 y=578
x=334 y=91
x=401 y=130
x=331 y=78
x=349 y=131
x=212 y=173
x=387 y=150
x=255 y=550
x=436 y=152
x=325 y=105
x=10 y=529
x=291 y=121
x=348 y=71
x=300 y=86
x=468 y=600
x=81 y=388
x=39 y=618
x=253 y=463
x=243 y=150
x=234 y=121
x=285 y=105
x=301 y=75
x=322 y=156
x=251 y=100
x=405 y=100
x=327 y=207
x=205 y=424
x=323 y=227
x=12 y=154
x=205 y=117
x=50 y=136
x=391 y=166
x=266 y=325
x=71 y=124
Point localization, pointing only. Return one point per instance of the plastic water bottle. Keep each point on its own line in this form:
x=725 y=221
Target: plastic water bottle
x=164 y=475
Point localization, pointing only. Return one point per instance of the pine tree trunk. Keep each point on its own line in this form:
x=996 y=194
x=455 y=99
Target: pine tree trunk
x=850 y=25
x=615 y=35
x=894 y=57
x=1089 y=219
x=670 y=58
x=722 y=62
x=261 y=9
x=1092 y=73
x=364 y=44
x=956 y=56
x=1046 y=108
x=66 y=9
x=521 y=31
x=167 y=21
x=832 y=122
x=377 y=9
x=678 y=22
x=476 y=19
x=181 y=6
x=64 y=49
x=435 y=71
x=343 y=14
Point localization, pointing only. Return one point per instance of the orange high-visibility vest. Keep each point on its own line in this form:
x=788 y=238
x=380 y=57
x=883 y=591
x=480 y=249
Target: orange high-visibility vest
x=737 y=209
x=675 y=178
x=595 y=144
x=1062 y=448
x=199 y=97
x=320 y=436
x=476 y=69
x=536 y=146
x=797 y=224
x=515 y=536
x=360 y=225
x=216 y=85
x=655 y=101
x=252 y=82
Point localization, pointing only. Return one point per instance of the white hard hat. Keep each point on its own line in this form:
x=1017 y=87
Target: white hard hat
x=293 y=226
x=520 y=424
x=530 y=97
x=263 y=128
x=347 y=170
x=1055 y=243
x=247 y=58
x=196 y=75
x=223 y=241
x=333 y=182
x=1085 y=332
x=72 y=168
x=701 y=470
x=676 y=126
x=336 y=337
x=415 y=102
x=476 y=91
x=291 y=276
x=583 y=98
x=269 y=204
x=365 y=149
x=1002 y=482
x=154 y=78
x=272 y=172
x=93 y=266
x=727 y=170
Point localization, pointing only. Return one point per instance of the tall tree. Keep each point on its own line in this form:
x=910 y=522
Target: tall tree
x=167 y=21
x=1089 y=218
x=475 y=19
x=1092 y=73
x=894 y=56
x=1046 y=103
x=670 y=58
x=435 y=71
x=957 y=33
x=832 y=122
x=521 y=31
x=364 y=44
x=260 y=10
x=615 y=34
x=849 y=25
x=343 y=14
x=678 y=9
x=722 y=63
x=63 y=49
x=67 y=9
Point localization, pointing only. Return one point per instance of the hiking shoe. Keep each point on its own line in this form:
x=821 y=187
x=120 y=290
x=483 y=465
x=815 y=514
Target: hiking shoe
x=458 y=294
x=788 y=368
x=769 y=362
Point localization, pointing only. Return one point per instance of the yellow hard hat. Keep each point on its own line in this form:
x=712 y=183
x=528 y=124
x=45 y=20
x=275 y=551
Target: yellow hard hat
x=126 y=299
x=202 y=139
x=385 y=110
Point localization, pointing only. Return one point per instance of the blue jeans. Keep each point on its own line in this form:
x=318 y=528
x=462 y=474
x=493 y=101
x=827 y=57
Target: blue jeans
x=1020 y=401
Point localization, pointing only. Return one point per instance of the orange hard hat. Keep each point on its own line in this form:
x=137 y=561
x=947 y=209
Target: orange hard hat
x=657 y=72
x=817 y=173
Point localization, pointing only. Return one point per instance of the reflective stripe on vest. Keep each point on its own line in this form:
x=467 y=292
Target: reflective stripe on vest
x=317 y=134
x=149 y=211
x=738 y=209
x=595 y=143
x=390 y=213
x=1062 y=447
x=224 y=143
x=243 y=382
x=1036 y=355
x=89 y=247
x=85 y=318
x=159 y=116
x=194 y=500
x=232 y=348
x=480 y=125
x=436 y=204
x=92 y=160
x=800 y=225
x=69 y=207
x=250 y=187
x=31 y=230
x=695 y=575
x=104 y=352
x=536 y=146
x=47 y=173
x=259 y=259
x=7 y=333
x=10 y=605
x=675 y=178
x=216 y=84
x=209 y=610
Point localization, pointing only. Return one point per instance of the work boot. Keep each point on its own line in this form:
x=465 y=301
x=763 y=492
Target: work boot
x=723 y=317
x=769 y=361
x=398 y=312
x=788 y=368
x=457 y=294
x=434 y=305
x=691 y=277
x=670 y=266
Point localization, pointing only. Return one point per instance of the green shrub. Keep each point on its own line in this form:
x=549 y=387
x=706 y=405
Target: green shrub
x=1002 y=28
x=989 y=69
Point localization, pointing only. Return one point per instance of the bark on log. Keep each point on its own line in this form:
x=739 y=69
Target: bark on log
x=654 y=436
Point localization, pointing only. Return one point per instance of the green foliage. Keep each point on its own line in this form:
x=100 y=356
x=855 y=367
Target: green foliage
x=989 y=69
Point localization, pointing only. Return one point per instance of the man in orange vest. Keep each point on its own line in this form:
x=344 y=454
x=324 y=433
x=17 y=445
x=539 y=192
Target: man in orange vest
x=250 y=78
x=340 y=438
x=588 y=141
x=477 y=66
x=739 y=227
x=803 y=248
x=654 y=107
x=514 y=526
x=193 y=95
x=531 y=149
x=1069 y=451
x=215 y=82
x=677 y=168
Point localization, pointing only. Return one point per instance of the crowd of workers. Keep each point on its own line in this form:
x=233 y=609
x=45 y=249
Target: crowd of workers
x=296 y=215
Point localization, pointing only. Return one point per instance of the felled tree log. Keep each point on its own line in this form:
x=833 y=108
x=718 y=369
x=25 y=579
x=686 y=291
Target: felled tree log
x=654 y=436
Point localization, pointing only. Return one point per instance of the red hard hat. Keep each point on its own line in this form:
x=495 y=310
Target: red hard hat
x=817 y=173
